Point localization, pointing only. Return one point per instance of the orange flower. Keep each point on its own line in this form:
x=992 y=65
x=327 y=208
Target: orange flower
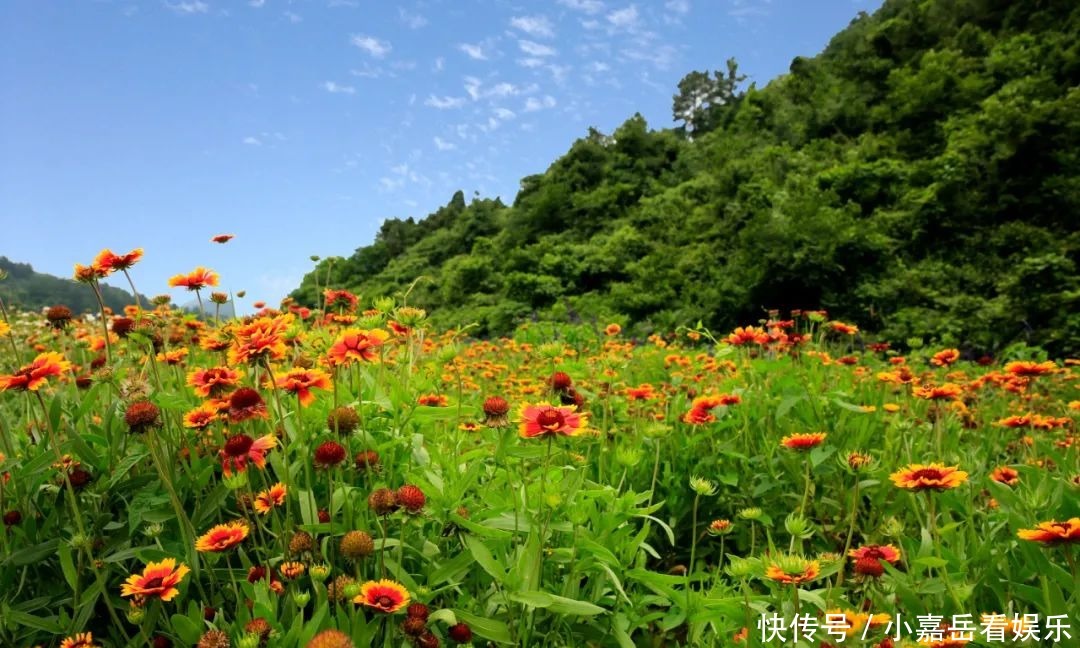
x=544 y=419
x=201 y=417
x=292 y=570
x=239 y=449
x=259 y=340
x=433 y=400
x=1005 y=475
x=384 y=595
x=743 y=336
x=301 y=382
x=945 y=358
x=643 y=391
x=80 y=640
x=172 y=357
x=846 y=329
x=702 y=406
x=197 y=279
x=158 y=579
x=266 y=500
x=793 y=571
x=934 y=476
x=357 y=344
x=222 y=238
x=612 y=329
x=106 y=263
x=947 y=390
x=1027 y=369
x=804 y=441
x=213 y=382
x=1053 y=533
x=222 y=537
x=32 y=376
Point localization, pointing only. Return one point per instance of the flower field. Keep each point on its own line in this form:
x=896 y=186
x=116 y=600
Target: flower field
x=346 y=475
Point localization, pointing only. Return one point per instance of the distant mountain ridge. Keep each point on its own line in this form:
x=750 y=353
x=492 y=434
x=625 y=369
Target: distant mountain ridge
x=27 y=289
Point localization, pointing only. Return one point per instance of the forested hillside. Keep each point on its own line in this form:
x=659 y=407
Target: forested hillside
x=920 y=177
x=30 y=290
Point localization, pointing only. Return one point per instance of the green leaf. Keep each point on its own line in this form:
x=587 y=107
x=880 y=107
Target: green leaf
x=484 y=558
x=188 y=630
x=489 y=629
x=63 y=550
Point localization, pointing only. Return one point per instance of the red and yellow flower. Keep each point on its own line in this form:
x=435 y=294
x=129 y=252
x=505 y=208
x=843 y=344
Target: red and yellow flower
x=357 y=344
x=945 y=358
x=1053 y=532
x=157 y=580
x=792 y=570
x=213 y=382
x=933 y=476
x=543 y=419
x=80 y=640
x=239 y=449
x=270 y=498
x=105 y=263
x=36 y=374
x=803 y=441
x=223 y=537
x=300 y=382
x=384 y=595
x=197 y=279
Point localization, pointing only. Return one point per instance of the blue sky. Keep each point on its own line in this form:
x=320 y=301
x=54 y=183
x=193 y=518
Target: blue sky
x=299 y=125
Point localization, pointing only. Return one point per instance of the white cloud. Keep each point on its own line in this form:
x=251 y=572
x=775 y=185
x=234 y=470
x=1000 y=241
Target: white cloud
x=444 y=103
x=252 y=141
x=473 y=51
x=443 y=145
x=504 y=114
x=193 y=7
x=335 y=88
x=411 y=20
x=293 y=18
x=438 y=65
x=536 y=49
x=256 y=3
x=538 y=26
x=678 y=6
x=587 y=6
x=599 y=66
x=624 y=18
x=531 y=62
x=661 y=56
x=374 y=46
x=533 y=104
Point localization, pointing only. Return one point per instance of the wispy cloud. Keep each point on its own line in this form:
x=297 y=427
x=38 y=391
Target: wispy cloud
x=193 y=7
x=586 y=6
x=536 y=49
x=473 y=51
x=252 y=141
x=626 y=18
x=256 y=3
x=533 y=104
x=678 y=6
x=746 y=8
x=443 y=145
x=411 y=20
x=373 y=46
x=538 y=26
x=336 y=88
x=292 y=17
x=444 y=103
x=504 y=114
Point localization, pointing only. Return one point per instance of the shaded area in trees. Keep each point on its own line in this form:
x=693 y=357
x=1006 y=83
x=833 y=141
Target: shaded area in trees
x=31 y=290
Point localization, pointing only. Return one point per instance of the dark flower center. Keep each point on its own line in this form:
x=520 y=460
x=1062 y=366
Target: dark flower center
x=153 y=583
x=550 y=419
x=385 y=601
x=928 y=474
x=238 y=445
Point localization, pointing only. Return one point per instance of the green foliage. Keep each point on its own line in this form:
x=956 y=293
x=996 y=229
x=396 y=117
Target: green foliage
x=921 y=177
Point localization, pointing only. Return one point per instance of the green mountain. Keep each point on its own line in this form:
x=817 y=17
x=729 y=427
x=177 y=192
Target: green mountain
x=920 y=177
x=29 y=290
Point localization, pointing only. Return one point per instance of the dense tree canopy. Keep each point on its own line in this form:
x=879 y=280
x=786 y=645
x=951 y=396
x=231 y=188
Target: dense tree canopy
x=920 y=177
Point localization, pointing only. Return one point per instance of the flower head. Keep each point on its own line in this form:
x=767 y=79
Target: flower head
x=270 y=498
x=544 y=419
x=213 y=382
x=222 y=238
x=246 y=403
x=222 y=537
x=239 y=449
x=803 y=441
x=106 y=263
x=79 y=640
x=934 y=476
x=357 y=344
x=384 y=596
x=1053 y=533
x=157 y=580
x=301 y=381
x=792 y=570
x=36 y=374
x=197 y=279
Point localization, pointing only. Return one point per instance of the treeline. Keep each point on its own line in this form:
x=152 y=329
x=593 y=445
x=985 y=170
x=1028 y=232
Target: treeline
x=27 y=289
x=920 y=177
